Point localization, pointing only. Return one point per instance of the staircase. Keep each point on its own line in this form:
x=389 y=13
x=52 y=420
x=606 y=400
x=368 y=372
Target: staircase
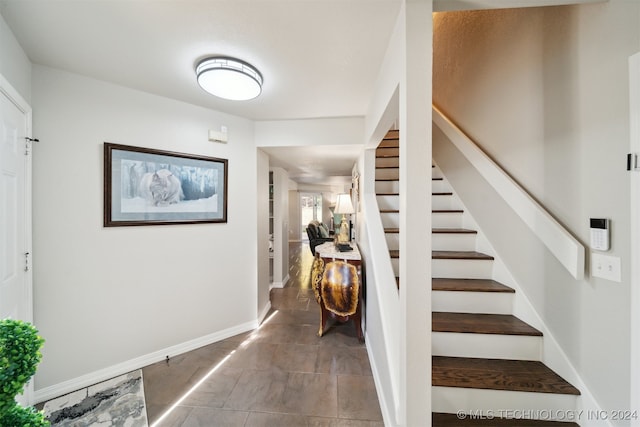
x=485 y=360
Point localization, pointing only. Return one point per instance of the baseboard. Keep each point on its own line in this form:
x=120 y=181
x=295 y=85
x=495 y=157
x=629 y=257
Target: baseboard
x=264 y=312
x=279 y=285
x=388 y=417
x=95 y=377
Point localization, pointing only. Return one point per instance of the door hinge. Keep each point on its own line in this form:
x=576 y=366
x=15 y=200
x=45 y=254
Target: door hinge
x=632 y=162
x=27 y=146
x=26 y=261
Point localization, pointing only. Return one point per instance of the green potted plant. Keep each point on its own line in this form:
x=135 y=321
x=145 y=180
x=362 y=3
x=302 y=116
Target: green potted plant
x=20 y=354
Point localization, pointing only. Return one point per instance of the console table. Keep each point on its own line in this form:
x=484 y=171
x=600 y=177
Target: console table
x=337 y=282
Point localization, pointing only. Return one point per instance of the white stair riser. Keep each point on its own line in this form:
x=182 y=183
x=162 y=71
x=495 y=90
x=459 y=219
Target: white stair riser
x=440 y=186
x=438 y=219
x=451 y=269
x=506 y=404
x=390 y=219
x=462 y=269
x=472 y=302
x=387 y=186
x=488 y=346
x=390 y=173
x=443 y=202
x=446 y=220
x=436 y=173
x=393 y=240
x=453 y=241
x=388 y=202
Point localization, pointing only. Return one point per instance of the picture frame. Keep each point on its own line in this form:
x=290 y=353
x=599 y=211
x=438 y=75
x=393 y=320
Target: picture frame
x=144 y=186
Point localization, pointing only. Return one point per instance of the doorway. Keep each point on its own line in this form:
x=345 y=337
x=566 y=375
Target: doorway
x=310 y=209
x=15 y=211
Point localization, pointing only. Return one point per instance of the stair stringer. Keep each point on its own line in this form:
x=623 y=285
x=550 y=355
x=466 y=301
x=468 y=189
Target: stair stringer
x=552 y=353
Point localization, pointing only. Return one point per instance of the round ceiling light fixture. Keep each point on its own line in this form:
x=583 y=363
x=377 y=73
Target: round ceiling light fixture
x=229 y=78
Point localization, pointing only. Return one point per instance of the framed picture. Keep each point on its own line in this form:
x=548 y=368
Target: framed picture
x=143 y=186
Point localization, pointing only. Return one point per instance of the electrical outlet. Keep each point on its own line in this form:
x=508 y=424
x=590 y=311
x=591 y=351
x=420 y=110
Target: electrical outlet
x=606 y=267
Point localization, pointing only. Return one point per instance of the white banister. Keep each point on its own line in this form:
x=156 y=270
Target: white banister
x=566 y=248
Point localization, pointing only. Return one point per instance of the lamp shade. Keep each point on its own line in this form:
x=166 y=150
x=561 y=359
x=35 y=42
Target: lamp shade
x=343 y=204
x=229 y=78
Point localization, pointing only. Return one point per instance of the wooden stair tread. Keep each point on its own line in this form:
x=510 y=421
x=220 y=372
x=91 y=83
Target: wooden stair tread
x=442 y=193
x=475 y=323
x=391 y=230
x=453 y=231
x=469 y=285
x=387 y=153
x=472 y=255
x=389 y=211
x=447 y=211
x=386 y=179
x=453 y=420
x=460 y=255
x=392 y=133
x=389 y=143
x=387 y=194
x=437 y=179
x=498 y=374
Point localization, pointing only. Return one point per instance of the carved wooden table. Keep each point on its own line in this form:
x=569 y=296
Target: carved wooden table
x=337 y=283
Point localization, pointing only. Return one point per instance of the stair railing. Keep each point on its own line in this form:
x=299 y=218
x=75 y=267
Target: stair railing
x=560 y=242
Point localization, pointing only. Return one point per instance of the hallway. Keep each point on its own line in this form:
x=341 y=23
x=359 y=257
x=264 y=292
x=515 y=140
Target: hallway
x=281 y=374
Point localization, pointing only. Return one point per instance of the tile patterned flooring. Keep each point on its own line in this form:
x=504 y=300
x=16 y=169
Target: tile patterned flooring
x=282 y=374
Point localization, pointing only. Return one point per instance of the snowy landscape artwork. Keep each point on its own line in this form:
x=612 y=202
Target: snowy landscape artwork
x=157 y=187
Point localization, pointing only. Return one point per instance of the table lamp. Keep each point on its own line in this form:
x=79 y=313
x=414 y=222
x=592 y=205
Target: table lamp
x=344 y=206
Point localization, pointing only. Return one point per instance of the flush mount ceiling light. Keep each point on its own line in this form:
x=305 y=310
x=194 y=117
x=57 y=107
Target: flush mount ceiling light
x=229 y=78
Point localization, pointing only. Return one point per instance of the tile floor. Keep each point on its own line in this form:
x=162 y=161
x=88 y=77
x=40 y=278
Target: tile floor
x=280 y=375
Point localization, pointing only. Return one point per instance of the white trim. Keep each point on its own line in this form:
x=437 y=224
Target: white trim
x=14 y=96
x=264 y=313
x=452 y=5
x=634 y=118
x=8 y=91
x=95 y=377
x=386 y=294
x=387 y=415
x=279 y=285
x=567 y=249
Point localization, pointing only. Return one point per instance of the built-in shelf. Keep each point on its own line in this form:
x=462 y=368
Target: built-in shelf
x=271 y=218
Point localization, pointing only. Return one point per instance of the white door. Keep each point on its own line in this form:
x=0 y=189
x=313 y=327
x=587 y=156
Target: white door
x=15 y=295
x=15 y=211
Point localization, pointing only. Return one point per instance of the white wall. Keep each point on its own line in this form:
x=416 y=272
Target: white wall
x=544 y=92
x=14 y=64
x=330 y=131
x=104 y=296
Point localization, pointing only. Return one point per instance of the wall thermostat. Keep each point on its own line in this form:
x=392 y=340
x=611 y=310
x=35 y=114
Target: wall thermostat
x=599 y=231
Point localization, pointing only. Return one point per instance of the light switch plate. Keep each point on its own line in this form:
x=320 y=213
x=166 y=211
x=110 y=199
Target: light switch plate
x=606 y=267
